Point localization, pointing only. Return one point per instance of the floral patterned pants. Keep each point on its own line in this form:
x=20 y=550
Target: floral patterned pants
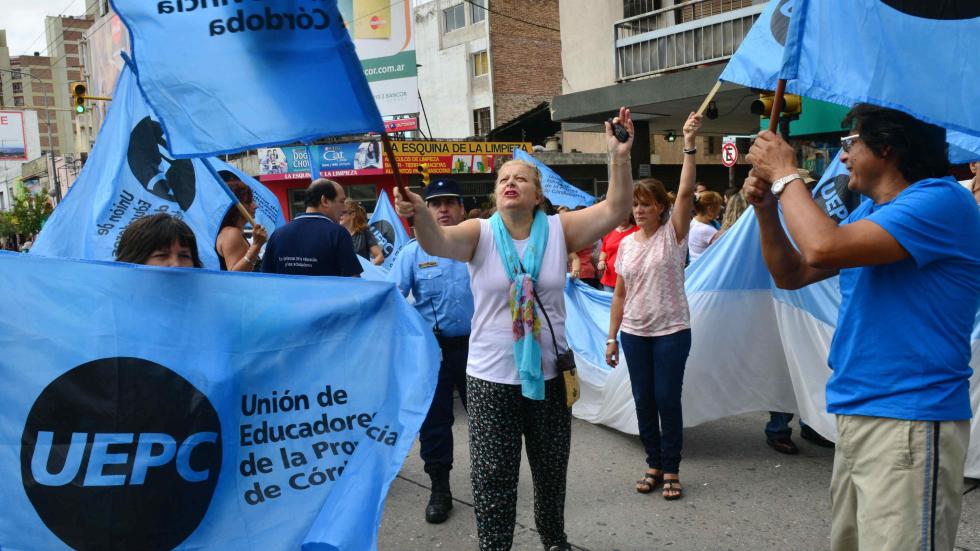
x=499 y=417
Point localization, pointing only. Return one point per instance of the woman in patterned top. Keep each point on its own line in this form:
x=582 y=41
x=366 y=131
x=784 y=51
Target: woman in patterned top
x=650 y=308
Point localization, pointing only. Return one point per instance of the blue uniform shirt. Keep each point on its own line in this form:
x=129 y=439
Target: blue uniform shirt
x=902 y=345
x=441 y=288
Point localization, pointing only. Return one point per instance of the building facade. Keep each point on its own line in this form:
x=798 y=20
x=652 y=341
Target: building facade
x=482 y=66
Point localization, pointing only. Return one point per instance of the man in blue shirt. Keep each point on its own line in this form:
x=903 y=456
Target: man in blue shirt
x=441 y=288
x=909 y=265
x=314 y=243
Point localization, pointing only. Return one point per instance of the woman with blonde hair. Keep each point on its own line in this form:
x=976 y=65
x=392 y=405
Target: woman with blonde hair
x=514 y=389
x=650 y=315
x=733 y=211
x=707 y=206
x=354 y=219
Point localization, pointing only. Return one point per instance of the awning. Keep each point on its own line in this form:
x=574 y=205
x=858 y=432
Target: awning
x=663 y=102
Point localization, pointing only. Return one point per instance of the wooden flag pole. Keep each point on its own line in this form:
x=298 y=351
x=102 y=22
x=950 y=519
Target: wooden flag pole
x=710 y=96
x=245 y=213
x=390 y=154
x=777 y=105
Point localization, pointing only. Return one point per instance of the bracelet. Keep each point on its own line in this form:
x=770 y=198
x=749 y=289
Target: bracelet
x=612 y=341
x=614 y=163
x=251 y=261
x=691 y=151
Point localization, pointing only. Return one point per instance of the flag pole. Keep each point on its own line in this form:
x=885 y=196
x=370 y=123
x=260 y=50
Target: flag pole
x=224 y=186
x=777 y=105
x=709 y=97
x=390 y=154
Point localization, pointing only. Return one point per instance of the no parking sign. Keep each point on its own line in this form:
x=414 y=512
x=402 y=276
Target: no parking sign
x=729 y=154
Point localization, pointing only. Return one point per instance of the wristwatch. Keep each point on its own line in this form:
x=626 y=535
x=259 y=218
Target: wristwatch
x=780 y=184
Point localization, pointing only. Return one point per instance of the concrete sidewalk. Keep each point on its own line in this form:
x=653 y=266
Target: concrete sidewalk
x=738 y=495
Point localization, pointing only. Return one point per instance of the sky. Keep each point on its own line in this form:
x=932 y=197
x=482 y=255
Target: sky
x=24 y=22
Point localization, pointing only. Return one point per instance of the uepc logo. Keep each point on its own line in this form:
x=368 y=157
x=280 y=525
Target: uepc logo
x=121 y=453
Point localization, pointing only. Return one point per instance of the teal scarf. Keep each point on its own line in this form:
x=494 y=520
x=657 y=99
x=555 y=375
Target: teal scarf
x=522 y=274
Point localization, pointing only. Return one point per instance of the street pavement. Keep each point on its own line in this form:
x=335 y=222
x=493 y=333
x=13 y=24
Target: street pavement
x=738 y=495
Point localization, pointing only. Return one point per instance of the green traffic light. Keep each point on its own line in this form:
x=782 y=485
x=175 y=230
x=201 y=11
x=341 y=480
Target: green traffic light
x=79 y=108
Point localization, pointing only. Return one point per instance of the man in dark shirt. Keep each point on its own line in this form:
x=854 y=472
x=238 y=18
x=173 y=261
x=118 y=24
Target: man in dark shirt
x=314 y=243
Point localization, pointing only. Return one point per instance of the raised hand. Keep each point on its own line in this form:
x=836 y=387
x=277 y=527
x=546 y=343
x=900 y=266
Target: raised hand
x=691 y=128
x=620 y=151
x=407 y=206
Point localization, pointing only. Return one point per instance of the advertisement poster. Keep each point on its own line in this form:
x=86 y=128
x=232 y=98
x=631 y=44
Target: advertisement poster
x=346 y=159
x=384 y=37
x=13 y=138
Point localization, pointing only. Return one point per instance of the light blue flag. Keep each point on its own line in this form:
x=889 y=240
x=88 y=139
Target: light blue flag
x=169 y=408
x=268 y=212
x=910 y=56
x=832 y=194
x=759 y=59
x=556 y=189
x=129 y=175
x=232 y=75
x=388 y=229
x=963 y=148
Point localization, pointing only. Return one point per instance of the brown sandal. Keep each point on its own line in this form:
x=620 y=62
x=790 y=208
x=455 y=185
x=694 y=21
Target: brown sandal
x=672 y=489
x=648 y=483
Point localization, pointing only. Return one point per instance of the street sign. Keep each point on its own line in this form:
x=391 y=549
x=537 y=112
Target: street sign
x=729 y=154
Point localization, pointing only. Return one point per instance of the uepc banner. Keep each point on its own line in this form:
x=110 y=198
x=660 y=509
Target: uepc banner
x=153 y=408
x=388 y=230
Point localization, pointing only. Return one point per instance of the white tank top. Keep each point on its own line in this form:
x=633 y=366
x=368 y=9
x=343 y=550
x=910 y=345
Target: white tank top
x=491 y=355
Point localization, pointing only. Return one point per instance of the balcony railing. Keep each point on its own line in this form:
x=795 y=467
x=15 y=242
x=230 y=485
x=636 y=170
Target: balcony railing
x=684 y=35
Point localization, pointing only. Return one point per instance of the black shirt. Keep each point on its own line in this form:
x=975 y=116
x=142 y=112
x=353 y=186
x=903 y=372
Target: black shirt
x=311 y=244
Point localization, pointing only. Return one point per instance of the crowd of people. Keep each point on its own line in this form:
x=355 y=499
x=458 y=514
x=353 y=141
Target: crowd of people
x=491 y=288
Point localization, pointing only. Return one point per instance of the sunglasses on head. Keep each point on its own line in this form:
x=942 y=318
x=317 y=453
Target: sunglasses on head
x=848 y=141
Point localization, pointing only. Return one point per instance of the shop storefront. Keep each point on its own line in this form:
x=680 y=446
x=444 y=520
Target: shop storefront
x=364 y=171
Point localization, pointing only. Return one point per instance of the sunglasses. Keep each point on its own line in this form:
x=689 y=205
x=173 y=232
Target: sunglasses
x=848 y=141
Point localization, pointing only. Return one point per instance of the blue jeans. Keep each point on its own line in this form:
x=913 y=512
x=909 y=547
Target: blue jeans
x=656 y=366
x=778 y=425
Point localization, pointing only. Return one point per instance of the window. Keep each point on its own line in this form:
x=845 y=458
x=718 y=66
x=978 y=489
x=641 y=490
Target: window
x=481 y=65
x=478 y=10
x=18 y=87
x=19 y=101
x=481 y=121
x=453 y=18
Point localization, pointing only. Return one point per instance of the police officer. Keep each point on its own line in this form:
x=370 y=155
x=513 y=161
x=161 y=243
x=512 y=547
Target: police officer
x=441 y=288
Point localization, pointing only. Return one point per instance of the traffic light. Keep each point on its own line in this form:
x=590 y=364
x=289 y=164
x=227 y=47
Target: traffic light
x=78 y=90
x=792 y=105
x=424 y=173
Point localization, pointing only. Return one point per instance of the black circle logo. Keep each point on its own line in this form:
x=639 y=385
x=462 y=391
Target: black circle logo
x=170 y=179
x=934 y=9
x=779 y=24
x=121 y=453
x=384 y=232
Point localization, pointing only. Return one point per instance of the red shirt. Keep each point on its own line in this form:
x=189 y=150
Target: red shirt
x=586 y=269
x=610 y=246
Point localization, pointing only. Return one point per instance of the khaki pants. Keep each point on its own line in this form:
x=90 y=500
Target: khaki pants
x=897 y=485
